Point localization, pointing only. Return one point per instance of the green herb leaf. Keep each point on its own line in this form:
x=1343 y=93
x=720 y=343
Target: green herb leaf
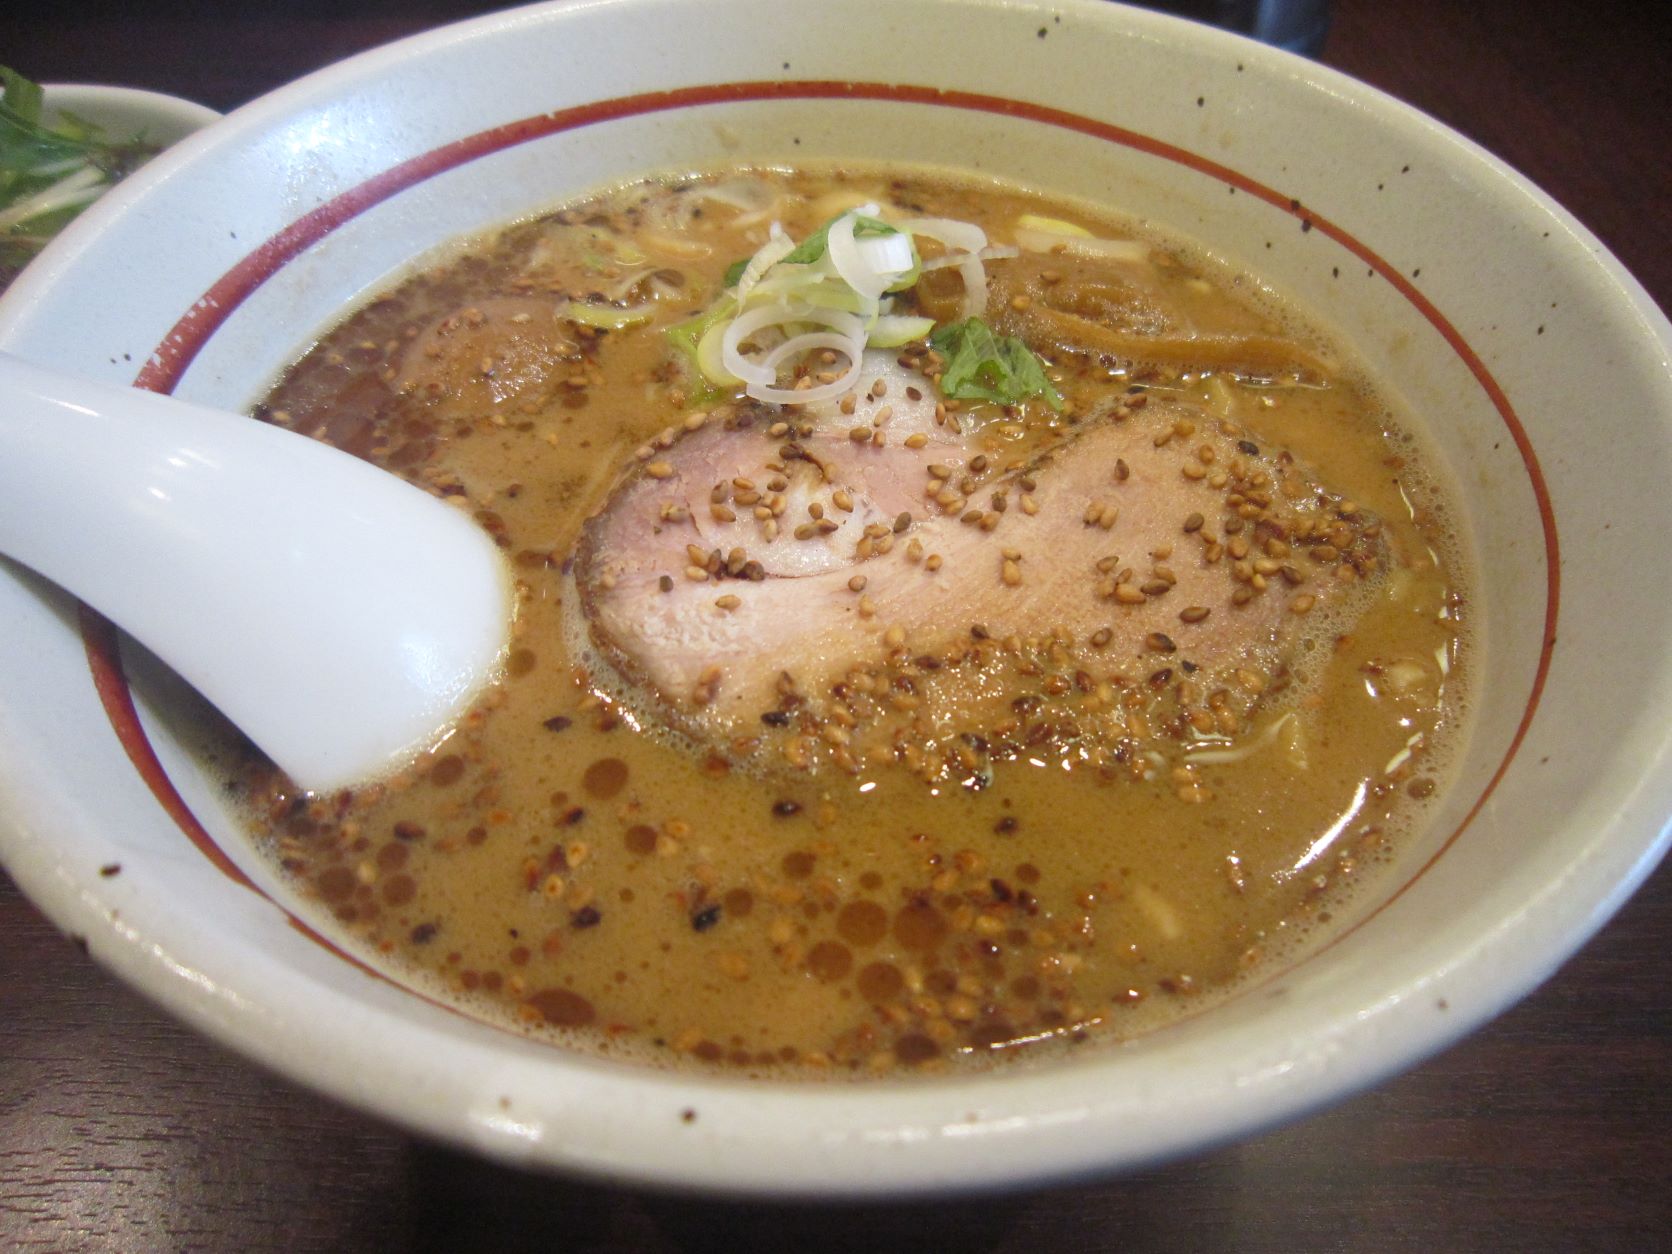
x=986 y=367
x=21 y=96
x=48 y=175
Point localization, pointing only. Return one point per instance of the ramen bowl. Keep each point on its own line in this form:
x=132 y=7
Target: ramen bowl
x=1492 y=314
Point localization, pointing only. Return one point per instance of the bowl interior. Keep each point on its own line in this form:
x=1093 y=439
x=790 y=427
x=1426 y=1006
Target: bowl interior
x=1492 y=315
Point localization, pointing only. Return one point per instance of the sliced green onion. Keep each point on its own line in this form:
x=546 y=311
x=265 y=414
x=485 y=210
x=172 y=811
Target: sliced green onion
x=608 y=317
x=893 y=330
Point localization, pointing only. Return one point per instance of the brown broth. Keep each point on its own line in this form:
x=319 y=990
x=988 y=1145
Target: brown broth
x=558 y=865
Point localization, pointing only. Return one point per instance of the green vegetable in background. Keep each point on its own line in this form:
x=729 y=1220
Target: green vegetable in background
x=50 y=174
x=986 y=367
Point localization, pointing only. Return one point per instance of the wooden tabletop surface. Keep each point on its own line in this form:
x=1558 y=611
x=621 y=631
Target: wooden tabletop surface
x=1548 y=1130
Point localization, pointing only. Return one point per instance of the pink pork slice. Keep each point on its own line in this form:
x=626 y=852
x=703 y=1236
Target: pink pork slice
x=1148 y=538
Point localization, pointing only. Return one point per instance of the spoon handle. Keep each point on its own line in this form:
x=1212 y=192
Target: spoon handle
x=339 y=616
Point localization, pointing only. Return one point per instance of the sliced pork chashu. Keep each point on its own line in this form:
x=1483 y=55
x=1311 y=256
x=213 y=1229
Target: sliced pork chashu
x=1147 y=573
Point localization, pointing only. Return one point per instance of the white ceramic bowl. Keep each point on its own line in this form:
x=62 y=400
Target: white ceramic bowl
x=128 y=111
x=1537 y=366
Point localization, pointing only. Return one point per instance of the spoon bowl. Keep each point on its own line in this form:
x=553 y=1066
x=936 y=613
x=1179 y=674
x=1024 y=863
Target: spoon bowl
x=337 y=615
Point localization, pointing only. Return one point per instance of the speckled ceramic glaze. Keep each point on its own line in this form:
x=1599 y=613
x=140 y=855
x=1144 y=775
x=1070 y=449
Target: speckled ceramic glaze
x=1536 y=366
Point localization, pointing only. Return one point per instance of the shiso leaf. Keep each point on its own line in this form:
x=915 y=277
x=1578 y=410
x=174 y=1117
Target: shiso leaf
x=983 y=366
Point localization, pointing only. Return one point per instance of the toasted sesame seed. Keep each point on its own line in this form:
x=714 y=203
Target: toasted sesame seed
x=932 y=562
x=1193 y=523
x=659 y=470
x=1303 y=603
x=1194 y=470
x=696 y=574
x=1101 y=637
x=728 y=602
x=1011 y=573
x=1160 y=642
x=856 y=584
x=1194 y=613
x=1128 y=594
x=665 y=583
x=842 y=499
x=721 y=513
x=1030 y=507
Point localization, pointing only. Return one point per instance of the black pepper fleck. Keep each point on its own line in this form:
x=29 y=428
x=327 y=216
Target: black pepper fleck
x=705 y=918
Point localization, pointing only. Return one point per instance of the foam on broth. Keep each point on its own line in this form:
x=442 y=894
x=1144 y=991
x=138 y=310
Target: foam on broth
x=561 y=865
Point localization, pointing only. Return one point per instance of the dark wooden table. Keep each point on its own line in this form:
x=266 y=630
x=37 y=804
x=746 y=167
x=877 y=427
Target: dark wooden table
x=121 y=1130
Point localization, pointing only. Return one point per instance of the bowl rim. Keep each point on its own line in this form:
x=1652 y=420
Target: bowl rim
x=1314 y=1083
